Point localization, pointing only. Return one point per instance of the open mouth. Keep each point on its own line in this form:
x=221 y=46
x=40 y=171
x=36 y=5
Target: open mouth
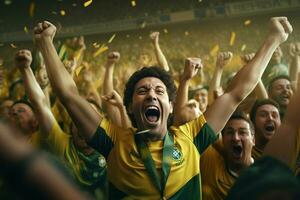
x=237 y=150
x=152 y=114
x=270 y=127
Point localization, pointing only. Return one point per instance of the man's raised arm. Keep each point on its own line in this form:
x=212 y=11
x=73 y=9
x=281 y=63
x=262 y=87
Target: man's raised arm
x=83 y=115
x=35 y=94
x=247 y=78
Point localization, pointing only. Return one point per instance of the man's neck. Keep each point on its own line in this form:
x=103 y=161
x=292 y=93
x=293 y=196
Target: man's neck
x=154 y=136
x=235 y=169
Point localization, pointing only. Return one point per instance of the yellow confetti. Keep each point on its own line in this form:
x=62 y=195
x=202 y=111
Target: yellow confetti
x=13 y=45
x=25 y=29
x=140 y=37
x=111 y=38
x=87 y=3
x=31 y=9
x=96 y=45
x=62 y=13
x=214 y=50
x=78 y=70
x=143 y=25
x=128 y=36
x=243 y=47
x=165 y=30
x=100 y=50
x=232 y=38
x=186 y=33
x=247 y=22
x=133 y=4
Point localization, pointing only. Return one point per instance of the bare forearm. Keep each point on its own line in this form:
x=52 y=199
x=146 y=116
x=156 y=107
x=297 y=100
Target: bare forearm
x=181 y=98
x=214 y=84
x=294 y=70
x=260 y=91
x=161 y=59
x=61 y=81
x=33 y=90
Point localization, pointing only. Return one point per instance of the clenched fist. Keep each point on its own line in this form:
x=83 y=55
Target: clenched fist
x=192 y=66
x=154 y=37
x=44 y=30
x=279 y=30
x=247 y=57
x=223 y=59
x=113 y=57
x=23 y=58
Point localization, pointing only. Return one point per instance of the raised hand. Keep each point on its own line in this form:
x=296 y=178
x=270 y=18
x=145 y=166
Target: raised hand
x=23 y=59
x=279 y=30
x=223 y=58
x=154 y=37
x=113 y=98
x=294 y=49
x=44 y=30
x=192 y=66
x=113 y=57
x=247 y=57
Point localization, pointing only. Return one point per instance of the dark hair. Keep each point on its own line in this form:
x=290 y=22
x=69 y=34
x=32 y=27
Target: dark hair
x=23 y=102
x=277 y=78
x=152 y=71
x=260 y=102
x=241 y=115
x=193 y=91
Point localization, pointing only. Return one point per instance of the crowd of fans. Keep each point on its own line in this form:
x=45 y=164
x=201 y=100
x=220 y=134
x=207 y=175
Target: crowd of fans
x=117 y=126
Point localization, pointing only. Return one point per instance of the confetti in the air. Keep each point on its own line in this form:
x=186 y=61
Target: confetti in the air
x=31 y=9
x=96 y=45
x=243 y=47
x=78 y=70
x=165 y=30
x=111 y=38
x=13 y=45
x=186 y=33
x=232 y=38
x=102 y=49
x=62 y=12
x=25 y=29
x=128 y=36
x=87 y=3
x=133 y=4
x=214 y=50
x=247 y=22
x=143 y=25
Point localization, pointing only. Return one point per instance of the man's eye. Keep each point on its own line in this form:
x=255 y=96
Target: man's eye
x=141 y=91
x=160 y=91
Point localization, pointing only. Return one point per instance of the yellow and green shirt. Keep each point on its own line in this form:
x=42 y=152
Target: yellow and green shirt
x=216 y=179
x=127 y=174
x=89 y=171
x=256 y=153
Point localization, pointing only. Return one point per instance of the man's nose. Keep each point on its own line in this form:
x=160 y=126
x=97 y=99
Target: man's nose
x=151 y=95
